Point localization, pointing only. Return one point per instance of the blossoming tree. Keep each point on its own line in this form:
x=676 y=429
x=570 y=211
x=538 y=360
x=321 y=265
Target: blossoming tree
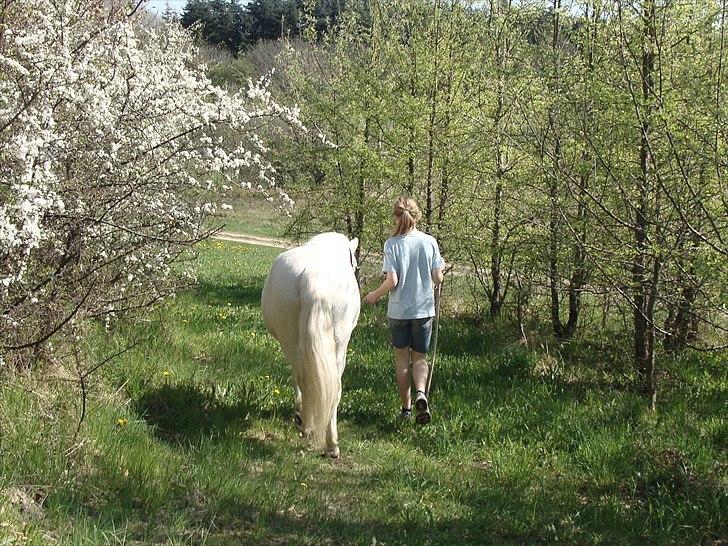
x=114 y=148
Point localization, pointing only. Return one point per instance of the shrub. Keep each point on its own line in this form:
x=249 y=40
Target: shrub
x=114 y=147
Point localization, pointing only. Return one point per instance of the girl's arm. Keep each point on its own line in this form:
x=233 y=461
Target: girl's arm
x=437 y=275
x=387 y=285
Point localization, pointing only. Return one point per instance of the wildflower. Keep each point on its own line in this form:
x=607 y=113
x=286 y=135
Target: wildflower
x=276 y=392
x=166 y=373
x=304 y=484
x=121 y=422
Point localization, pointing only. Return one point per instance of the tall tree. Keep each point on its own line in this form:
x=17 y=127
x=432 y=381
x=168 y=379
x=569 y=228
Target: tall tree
x=270 y=19
x=218 y=22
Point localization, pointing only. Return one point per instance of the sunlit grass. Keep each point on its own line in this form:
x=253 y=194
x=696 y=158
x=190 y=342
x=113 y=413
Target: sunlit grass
x=252 y=214
x=189 y=440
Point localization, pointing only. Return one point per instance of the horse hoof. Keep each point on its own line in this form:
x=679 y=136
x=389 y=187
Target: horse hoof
x=333 y=453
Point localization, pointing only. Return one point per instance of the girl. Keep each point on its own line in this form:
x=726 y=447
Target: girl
x=413 y=268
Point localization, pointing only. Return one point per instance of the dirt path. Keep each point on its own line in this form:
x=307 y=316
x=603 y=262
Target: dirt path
x=281 y=243
x=251 y=239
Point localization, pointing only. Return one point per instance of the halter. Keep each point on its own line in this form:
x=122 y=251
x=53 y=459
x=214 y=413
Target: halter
x=352 y=260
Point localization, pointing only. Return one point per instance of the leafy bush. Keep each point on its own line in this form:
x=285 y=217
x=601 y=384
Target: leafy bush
x=114 y=147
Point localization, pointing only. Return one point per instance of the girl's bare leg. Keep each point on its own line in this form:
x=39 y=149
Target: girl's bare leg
x=401 y=363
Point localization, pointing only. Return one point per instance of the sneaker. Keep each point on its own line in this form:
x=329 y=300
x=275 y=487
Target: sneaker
x=421 y=404
x=423 y=418
x=423 y=408
x=405 y=414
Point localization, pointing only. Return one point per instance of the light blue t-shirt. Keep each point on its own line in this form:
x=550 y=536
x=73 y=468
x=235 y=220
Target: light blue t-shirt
x=412 y=256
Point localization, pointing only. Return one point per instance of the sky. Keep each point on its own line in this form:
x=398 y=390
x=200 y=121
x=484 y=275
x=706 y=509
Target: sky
x=158 y=6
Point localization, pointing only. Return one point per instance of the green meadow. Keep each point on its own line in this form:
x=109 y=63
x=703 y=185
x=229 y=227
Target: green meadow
x=251 y=215
x=188 y=438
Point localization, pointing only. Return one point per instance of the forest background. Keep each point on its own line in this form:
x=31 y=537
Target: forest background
x=571 y=155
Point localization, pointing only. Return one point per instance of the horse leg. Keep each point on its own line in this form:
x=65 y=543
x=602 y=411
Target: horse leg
x=332 y=435
x=297 y=419
x=289 y=345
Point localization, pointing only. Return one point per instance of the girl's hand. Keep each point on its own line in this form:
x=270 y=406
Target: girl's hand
x=371 y=298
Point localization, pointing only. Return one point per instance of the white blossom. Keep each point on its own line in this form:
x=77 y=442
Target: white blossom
x=110 y=170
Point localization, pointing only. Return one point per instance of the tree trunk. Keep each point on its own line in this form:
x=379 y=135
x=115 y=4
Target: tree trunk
x=555 y=233
x=645 y=284
x=496 y=296
x=410 y=186
x=553 y=251
x=580 y=274
x=445 y=172
x=355 y=222
x=429 y=197
x=681 y=325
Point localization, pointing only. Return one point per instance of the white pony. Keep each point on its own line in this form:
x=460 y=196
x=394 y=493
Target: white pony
x=311 y=305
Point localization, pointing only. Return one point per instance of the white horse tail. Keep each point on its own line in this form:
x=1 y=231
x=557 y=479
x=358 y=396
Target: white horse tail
x=316 y=369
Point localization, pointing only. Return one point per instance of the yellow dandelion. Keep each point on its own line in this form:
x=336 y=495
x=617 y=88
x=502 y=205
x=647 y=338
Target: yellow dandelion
x=166 y=373
x=304 y=484
x=121 y=422
x=276 y=392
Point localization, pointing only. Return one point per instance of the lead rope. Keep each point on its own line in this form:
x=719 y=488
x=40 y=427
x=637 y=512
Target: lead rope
x=436 y=328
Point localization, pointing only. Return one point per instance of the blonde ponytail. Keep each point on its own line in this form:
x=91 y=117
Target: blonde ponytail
x=406 y=215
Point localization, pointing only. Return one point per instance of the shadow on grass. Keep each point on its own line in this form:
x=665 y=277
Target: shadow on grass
x=331 y=525
x=209 y=292
x=495 y=515
x=493 y=508
x=187 y=414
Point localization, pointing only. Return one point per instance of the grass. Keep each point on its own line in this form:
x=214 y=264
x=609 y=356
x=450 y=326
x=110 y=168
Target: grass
x=189 y=440
x=251 y=215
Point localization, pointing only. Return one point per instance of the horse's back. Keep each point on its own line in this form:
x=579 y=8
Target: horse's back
x=309 y=271
x=282 y=282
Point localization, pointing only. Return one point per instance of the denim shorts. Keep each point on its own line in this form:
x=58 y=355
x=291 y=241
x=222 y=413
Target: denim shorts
x=412 y=333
